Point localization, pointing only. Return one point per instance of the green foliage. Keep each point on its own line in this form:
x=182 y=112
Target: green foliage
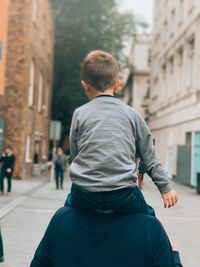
x=82 y=26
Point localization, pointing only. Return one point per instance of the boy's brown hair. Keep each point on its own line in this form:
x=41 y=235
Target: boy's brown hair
x=100 y=69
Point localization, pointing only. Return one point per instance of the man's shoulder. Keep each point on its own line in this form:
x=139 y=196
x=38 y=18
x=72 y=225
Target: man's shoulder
x=60 y=213
x=147 y=221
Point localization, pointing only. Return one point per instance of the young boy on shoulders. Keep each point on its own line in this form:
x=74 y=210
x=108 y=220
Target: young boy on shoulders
x=106 y=135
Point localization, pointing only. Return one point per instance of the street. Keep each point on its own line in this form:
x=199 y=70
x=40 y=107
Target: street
x=24 y=226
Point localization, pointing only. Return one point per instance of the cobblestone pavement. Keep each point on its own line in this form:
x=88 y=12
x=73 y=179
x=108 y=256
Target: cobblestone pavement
x=25 y=224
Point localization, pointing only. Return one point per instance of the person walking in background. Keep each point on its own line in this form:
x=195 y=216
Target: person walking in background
x=60 y=163
x=8 y=160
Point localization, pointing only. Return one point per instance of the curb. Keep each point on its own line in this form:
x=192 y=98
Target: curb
x=11 y=206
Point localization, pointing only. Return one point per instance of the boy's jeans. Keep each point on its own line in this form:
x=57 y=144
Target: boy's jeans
x=126 y=200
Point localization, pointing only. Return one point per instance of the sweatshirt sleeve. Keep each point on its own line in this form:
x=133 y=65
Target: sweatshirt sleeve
x=73 y=135
x=146 y=151
x=162 y=254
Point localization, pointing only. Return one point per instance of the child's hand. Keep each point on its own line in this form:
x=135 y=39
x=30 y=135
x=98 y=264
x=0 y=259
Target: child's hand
x=170 y=199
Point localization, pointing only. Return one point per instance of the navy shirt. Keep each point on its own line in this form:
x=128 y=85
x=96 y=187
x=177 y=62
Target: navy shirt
x=76 y=238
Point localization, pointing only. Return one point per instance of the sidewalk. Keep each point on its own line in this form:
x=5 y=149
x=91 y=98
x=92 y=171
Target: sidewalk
x=181 y=222
x=21 y=189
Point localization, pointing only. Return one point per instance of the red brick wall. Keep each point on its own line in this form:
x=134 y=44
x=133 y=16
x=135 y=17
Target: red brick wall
x=25 y=41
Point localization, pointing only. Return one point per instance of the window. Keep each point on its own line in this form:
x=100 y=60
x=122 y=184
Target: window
x=47 y=102
x=28 y=148
x=180 y=70
x=1 y=133
x=34 y=10
x=191 y=4
x=190 y=69
x=163 y=86
x=171 y=77
x=43 y=27
x=165 y=26
x=1 y=51
x=40 y=92
x=181 y=12
x=173 y=21
x=149 y=57
x=31 y=84
x=44 y=148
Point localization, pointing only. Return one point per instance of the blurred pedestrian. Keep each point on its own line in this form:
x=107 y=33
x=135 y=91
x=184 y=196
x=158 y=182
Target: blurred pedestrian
x=60 y=163
x=1 y=248
x=8 y=160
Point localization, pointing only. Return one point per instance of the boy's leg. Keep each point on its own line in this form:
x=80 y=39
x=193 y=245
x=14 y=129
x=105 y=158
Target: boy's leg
x=127 y=200
x=2 y=182
x=61 y=178
x=140 y=180
x=9 y=178
x=142 y=205
x=57 y=178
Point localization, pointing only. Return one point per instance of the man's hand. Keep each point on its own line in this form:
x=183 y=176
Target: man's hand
x=8 y=170
x=174 y=246
x=170 y=199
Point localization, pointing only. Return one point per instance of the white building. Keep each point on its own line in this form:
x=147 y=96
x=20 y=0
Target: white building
x=137 y=86
x=175 y=87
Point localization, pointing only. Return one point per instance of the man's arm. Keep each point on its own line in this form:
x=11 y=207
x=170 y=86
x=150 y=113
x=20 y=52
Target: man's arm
x=2 y=158
x=45 y=251
x=162 y=254
x=73 y=136
x=12 y=163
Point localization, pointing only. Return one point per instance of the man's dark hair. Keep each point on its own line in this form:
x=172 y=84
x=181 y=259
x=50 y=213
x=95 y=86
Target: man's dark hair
x=100 y=70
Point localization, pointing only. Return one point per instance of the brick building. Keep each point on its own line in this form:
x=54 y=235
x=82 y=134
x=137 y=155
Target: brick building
x=4 y=7
x=25 y=105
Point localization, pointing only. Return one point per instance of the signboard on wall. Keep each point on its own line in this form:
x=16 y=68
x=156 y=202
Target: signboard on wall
x=55 y=130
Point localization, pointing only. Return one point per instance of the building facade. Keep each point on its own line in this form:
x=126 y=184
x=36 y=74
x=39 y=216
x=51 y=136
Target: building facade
x=137 y=82
x=26 y=103
x=175 y=87
x=4 y=7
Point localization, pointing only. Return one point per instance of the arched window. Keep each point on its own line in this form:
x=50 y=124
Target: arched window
x=34 y=10
x=31 y=84
x=40 y=92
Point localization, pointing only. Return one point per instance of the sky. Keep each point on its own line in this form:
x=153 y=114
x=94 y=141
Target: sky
x=141 y=8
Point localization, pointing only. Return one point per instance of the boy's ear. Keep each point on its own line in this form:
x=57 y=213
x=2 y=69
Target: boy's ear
x=117 y=86
x=85 y=86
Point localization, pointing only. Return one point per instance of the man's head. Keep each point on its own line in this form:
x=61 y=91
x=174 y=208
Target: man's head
x=59 y=151
x=100 y=73
x=8 y=150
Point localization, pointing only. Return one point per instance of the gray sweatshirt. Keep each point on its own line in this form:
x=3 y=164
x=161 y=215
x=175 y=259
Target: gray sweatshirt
x=105 y=137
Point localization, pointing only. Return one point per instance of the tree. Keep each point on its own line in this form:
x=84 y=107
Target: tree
x=82 y=26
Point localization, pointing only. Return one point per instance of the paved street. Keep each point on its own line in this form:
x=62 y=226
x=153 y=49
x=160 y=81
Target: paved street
x=24 y=226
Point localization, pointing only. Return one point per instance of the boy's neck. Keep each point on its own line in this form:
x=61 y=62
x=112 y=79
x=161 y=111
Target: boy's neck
x=96 y=93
